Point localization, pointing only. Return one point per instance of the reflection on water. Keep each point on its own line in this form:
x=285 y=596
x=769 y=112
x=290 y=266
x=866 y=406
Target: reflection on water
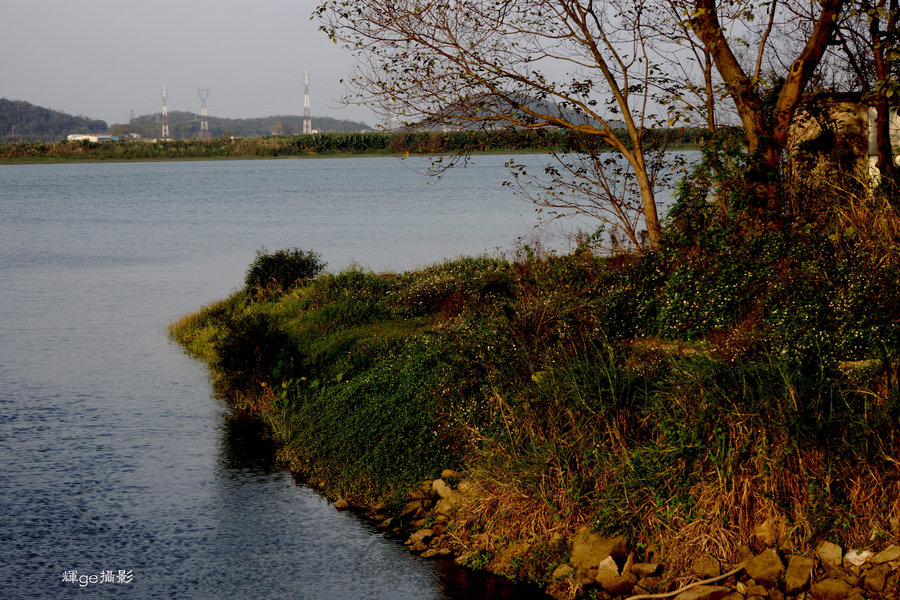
x=354 y=559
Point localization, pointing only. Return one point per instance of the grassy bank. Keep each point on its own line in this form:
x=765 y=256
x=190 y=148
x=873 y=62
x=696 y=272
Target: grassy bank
x=681 y=397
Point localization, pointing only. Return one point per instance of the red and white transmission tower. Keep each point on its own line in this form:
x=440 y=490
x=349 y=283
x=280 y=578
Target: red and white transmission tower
x=165 y=117
x=204 y=117
x=307 y=120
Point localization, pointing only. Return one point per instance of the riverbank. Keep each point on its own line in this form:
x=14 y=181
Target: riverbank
x=681 y=398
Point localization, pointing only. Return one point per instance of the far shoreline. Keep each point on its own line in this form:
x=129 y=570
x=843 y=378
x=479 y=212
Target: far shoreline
x=37 y=160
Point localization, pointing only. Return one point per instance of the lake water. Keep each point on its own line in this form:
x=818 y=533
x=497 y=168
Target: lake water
x=117 y=464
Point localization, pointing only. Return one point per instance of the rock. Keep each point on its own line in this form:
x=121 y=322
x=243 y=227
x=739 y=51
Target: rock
x=449 y=474
x=341 y=504
x=608 y=567
x=705 y=567
x=856 y=558
x=609 y=579
x=444 y=507
x=590 y=549
x=744 y=553
x=418 y=547
x=411 y=511
x=637 y=590
x=755 y=589
x=889 y=554
x=799 y=570
x=422 y=535
x=830 y=554
x=629 y=563
x=642 y=570
x=378 y=509
x=619 y=585
x=733 y=596
x=387 y=524
x=776 y=594
x=831 y=589
x=437 y=553
x=440 y=487
x=704 y=592
x=766 y=568
x=768 y=532
x=607 y=572
x=650 y=583
x=876 y=577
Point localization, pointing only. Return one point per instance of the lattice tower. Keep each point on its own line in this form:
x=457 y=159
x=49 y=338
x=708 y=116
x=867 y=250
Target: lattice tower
x=307 y=120
x=204 y=117
x=165 y=117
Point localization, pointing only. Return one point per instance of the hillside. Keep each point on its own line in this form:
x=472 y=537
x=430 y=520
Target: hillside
x=22 y=121
x=186 y=125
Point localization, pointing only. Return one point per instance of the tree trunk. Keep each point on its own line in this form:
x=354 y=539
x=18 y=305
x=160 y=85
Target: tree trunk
x=765 y=130
x=648 y=201
x=885 y=155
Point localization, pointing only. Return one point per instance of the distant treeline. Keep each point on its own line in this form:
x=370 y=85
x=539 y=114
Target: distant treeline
x=367 y=142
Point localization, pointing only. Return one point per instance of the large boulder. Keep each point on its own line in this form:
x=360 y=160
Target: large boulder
x=705 y=567
x=876 y=577
x=766 y=568
x=831 y=589
x=830 y=554
x=440 y=488
x=797 y=576
x=611 y=581
x=889 y=554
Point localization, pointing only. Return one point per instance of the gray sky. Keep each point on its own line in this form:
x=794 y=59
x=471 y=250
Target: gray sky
x=104 y=58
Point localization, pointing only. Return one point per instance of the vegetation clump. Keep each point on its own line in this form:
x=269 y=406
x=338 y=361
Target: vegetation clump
x=282 y=269
x=680 y=396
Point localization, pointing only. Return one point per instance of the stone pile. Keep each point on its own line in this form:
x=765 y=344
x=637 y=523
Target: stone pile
x=604 y=568
x=429 y=514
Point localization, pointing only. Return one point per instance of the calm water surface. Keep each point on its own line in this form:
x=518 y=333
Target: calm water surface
x=115 y=458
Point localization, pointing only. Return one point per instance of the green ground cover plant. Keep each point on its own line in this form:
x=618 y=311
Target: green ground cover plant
x=680 y=396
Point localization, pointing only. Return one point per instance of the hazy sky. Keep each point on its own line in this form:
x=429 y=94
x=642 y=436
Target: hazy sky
x=105 y=58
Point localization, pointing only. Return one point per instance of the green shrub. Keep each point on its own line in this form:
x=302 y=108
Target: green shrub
x=282 y=269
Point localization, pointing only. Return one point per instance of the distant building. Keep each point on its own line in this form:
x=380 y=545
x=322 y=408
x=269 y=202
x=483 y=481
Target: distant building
x=841 y=128
x=87 y=137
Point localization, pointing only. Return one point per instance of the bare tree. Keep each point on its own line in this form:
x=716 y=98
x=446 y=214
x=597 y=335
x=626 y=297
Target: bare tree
x=585 y=66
